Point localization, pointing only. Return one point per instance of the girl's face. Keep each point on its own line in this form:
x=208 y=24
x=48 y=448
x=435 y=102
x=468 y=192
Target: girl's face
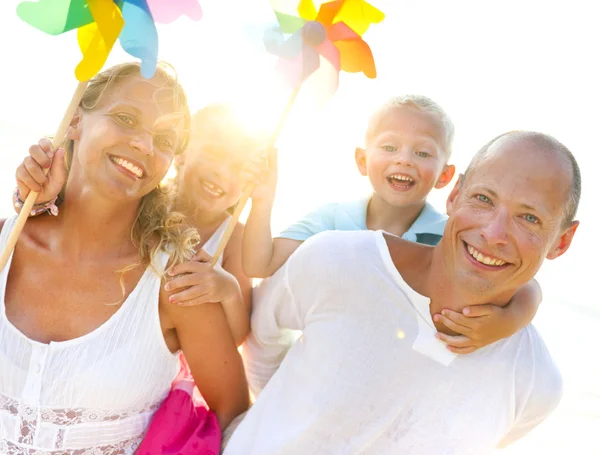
x=124 y=146
x=210 y=175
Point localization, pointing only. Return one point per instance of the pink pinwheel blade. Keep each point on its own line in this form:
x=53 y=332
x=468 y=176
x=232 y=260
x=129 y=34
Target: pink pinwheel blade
x=328 y=50
x=166 y=11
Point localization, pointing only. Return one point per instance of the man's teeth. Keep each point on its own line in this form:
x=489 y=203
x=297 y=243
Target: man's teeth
x=484 y=259
x=127 y=165
x=401 y=178
x=211 y=188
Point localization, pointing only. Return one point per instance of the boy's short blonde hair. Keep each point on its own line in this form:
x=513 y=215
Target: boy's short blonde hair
x=419 y=102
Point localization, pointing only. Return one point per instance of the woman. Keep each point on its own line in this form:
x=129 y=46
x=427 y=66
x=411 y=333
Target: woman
x=81 y=374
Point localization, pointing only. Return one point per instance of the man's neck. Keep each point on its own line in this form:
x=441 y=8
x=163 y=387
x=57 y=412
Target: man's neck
x=444 y=293
x=425 y=270
x=395 y=220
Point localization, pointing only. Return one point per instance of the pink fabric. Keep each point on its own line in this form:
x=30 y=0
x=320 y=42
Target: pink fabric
x=183 y=425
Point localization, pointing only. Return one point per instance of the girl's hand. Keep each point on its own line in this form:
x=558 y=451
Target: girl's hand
x=477 y=326
x=261 y=170
x=196 y=282
x=31 y=174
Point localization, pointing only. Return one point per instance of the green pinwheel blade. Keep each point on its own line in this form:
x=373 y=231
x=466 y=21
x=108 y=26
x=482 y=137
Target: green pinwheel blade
x=55 y=16
x=289 y=24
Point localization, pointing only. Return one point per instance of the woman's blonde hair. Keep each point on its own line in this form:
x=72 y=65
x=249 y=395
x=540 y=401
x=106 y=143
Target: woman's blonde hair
x=155 y=228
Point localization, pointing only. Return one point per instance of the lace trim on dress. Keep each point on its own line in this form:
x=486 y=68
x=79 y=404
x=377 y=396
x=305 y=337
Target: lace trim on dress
x=74 y=416
x=121 y=448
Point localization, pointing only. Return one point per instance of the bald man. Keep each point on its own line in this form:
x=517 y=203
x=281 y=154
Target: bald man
x=368 y=375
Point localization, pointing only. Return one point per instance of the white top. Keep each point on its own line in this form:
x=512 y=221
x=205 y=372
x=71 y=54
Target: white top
x=211 y=244
x=367 y=376
x=91 y=395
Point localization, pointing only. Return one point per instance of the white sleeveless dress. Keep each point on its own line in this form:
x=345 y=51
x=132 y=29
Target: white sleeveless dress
x=92 y=395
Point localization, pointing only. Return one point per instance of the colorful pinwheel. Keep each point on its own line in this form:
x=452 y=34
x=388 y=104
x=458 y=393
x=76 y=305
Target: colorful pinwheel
x=101 y=22
x=332 y=33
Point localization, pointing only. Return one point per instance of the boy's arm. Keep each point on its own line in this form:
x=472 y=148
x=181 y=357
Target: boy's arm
x=262 y=255
x=480 y=325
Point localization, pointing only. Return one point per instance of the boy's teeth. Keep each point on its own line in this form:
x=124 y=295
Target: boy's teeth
x=484 y=259
x=127 y=165
x=404 y=178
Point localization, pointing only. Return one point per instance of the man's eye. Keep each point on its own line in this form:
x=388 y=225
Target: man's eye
x=483 y=198
x=531 y=218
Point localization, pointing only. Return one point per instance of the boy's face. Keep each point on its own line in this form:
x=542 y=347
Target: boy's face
x=406 y=156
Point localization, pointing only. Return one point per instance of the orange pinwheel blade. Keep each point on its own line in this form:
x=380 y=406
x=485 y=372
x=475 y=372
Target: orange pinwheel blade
x=356 y=57
x=97 y=39
x=328 y=11
x=358 y=15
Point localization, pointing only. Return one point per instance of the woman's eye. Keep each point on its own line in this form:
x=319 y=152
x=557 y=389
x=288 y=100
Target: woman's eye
x=125 y=119
x=483 y=198
x=531 y=218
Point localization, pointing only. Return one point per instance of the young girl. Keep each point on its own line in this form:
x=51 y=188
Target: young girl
x=82 y=374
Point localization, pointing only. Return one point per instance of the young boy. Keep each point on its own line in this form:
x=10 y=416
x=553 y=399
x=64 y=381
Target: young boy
x=408 y=146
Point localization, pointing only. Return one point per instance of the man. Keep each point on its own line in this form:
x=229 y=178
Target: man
x=368 y=376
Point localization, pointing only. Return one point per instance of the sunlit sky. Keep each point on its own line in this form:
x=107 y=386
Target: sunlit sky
x=494 y=66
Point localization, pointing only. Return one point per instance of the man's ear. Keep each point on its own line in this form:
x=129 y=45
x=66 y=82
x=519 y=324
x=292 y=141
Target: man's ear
x=563 y=243
x=453 y=196
x=360 y=156
x=74 y=130
x=446 y=176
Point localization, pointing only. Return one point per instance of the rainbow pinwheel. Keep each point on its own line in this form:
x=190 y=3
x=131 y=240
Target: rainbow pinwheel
x=101 y=22
x=333 y=34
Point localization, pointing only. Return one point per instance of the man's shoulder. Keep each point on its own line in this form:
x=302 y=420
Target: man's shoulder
x=535 y=360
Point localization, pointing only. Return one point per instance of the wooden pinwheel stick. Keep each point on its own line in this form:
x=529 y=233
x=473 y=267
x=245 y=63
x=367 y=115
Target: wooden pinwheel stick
x=31 y=197
x=248 y=191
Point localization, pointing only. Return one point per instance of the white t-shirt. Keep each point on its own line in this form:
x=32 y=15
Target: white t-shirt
x=367 y=376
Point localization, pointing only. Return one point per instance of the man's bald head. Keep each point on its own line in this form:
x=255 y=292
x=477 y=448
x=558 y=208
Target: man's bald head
x=550 y=148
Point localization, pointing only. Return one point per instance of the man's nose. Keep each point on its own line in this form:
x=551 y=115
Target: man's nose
x=496 y=230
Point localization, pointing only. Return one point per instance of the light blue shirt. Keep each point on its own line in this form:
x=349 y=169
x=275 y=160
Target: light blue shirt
x=352 y=216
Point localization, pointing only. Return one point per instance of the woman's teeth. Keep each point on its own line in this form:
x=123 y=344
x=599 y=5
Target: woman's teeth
x=484 y=259
x=128 y=165
x=212 y=189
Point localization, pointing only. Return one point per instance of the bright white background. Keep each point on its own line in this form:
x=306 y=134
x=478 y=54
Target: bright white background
x=493 y=65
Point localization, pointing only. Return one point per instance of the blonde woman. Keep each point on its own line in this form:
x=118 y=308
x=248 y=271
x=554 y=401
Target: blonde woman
x=80 y=374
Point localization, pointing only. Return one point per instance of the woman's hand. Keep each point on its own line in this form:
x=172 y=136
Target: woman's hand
x=31 y=173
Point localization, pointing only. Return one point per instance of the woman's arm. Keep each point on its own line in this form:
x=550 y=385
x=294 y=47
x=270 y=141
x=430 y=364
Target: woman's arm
x=202 y=333
x=238 y=316
x=196 y=282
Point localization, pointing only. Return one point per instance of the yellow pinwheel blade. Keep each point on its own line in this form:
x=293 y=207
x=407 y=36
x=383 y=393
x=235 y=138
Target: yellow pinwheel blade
x=97 y=39
x=358 y=15
x=307 y=10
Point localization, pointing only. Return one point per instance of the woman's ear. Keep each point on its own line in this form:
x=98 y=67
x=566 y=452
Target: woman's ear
x=74 y=130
